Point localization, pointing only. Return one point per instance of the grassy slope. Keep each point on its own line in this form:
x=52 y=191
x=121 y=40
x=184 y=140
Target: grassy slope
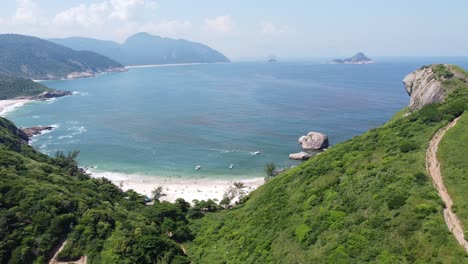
x=454 y=162
x=11 y=87
x=364 y=200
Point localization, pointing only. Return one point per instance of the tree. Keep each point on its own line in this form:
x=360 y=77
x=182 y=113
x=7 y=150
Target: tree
x=158 y=193
x=270 y=170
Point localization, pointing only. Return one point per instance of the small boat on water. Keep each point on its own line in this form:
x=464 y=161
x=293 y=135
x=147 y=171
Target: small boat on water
x=198 y=167
x=255 y=152
x=231 y=166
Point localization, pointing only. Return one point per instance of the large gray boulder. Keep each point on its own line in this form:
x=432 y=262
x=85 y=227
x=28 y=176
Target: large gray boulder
x=425 y=87
x=314 y=140
x=300 y=156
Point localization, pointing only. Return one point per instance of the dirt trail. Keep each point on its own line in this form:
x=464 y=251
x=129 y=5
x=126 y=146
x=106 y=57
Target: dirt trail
x=54 y=260
x=433 y=168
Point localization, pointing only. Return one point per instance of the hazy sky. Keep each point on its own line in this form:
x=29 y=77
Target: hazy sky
x=258 y=28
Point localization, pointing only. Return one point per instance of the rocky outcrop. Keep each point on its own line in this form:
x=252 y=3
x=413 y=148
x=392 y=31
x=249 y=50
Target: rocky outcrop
x=89 y=74
x=51 y=94
x=424 y=87
x=300 y=156
x=37 y=130
x=314 y=140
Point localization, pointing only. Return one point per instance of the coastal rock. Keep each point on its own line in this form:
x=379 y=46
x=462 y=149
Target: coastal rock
x=78 y=75
x=300 y=156
x=51 y=94
x=424 y=87
x=33 y=131
x=314 y=140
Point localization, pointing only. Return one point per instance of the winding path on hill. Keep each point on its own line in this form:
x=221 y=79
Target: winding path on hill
x=54 y=260
x=433 y=168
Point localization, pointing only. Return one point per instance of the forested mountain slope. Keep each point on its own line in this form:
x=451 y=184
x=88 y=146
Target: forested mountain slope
x=35 y=58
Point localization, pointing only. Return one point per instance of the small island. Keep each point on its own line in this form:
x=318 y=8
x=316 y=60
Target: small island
x=359 y=58
x=272 y=58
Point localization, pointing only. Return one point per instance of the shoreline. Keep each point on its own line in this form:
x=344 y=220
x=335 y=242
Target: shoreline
x=169 y=65
x=188 y=189
x=9 y=105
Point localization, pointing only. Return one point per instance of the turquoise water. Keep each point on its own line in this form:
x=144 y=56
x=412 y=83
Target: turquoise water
x=166 y=120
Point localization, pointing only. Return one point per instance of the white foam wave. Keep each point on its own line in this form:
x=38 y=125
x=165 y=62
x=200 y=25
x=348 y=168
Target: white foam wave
x=75 y=130
x=7 y=106
x=225 y=150
x=80 y=93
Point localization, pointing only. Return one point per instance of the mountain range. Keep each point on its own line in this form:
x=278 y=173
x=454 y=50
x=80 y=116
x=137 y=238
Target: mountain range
x=146 y=49
x=35 y=58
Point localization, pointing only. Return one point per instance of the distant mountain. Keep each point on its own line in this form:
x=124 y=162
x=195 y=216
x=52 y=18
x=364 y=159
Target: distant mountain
x=35 y=58
x=359 y=58
x=272 y=58
x=145 y=49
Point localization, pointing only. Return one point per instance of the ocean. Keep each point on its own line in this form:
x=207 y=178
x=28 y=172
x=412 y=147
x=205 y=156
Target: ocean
x=164 y=121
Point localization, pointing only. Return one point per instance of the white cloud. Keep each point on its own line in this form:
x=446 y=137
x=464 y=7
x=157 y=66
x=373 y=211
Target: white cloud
x=121 y=8
x=27 y=12
x=268 y=28
x=151 y=4
x=97 y=14
x=83 y=15
x=220 y=24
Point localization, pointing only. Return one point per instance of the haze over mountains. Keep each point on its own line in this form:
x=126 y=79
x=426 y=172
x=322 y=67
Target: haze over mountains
x=145 y=49
x=35 y=58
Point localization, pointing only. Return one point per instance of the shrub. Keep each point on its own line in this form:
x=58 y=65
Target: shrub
x=407 y=146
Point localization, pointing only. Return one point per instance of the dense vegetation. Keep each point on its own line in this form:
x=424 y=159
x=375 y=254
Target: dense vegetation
x=143 y=48
x=453 y=158
x=34 y=58
x=43 y=200
x=11 y=87
x=368 y=199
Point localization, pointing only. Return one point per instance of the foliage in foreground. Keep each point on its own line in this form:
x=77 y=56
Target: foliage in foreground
x=45 y=200
x=365 y=200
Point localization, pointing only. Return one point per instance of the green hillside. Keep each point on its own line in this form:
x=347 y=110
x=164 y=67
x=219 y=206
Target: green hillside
x=368 y=199
x=43 y=200
x=35 y=58
x=11 y=87
x=454 y=164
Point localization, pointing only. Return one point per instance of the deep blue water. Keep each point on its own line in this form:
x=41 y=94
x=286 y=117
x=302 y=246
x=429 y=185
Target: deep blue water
x=166 y=120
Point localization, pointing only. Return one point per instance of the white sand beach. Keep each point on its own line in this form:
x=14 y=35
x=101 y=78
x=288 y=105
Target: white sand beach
x=10 y=105
x=188 y=189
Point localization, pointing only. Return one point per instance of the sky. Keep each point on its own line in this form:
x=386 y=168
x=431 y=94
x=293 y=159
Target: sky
x=258 y=28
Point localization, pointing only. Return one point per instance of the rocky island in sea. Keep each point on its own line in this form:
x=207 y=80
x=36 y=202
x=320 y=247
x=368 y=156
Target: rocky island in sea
x=358 y=58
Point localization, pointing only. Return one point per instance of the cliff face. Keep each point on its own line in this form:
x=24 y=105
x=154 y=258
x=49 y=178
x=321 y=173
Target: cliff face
x=425 y=85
